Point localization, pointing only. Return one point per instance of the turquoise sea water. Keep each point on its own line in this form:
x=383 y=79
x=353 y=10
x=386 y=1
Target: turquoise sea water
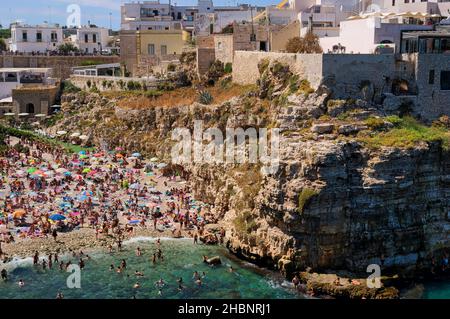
x=437 y=290
x=181 y=259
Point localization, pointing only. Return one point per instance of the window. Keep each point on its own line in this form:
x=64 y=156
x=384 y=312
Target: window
x=39 y=37
x=24 y=36
x=163 y=49
x=431 y=77
x=179 y=16
x=54 y=37
x=393 y=3
x=30 y=108
x=406 y=1
x=94 y=38
x=445 y=80
x=86 y=38
x=151 y=49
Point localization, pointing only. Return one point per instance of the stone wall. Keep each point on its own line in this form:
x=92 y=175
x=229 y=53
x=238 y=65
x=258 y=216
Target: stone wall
x=245 y=65
x=432 y=100
x=108 y=83
x=205 y=56
x=128 y=49
x=205 y=41
x=61 y=65
x=223 y=44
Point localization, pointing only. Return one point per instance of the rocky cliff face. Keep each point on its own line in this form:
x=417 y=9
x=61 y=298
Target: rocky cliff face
x=334 y=203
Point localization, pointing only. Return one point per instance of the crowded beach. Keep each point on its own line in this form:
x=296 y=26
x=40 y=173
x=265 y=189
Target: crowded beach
x=56 y=203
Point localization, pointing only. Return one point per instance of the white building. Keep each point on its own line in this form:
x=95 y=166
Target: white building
x=40 y=38
x=200 y=19
x=90 y=39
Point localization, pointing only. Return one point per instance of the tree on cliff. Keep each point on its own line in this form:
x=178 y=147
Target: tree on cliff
x=308 y=44
x=2 y=45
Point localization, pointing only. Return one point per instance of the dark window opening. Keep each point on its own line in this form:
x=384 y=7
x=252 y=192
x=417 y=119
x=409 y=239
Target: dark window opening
x=431 y=77
x=445 y=80
x=30 y=108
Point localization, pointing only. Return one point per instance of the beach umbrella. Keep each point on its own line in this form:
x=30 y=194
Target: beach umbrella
x=134 y=186
x=132 y=158
x=154 y=159
x=67 y=173
x=32 y=170
x=57 y=217
x=76 y=134
x=87 y=193
x=162 y=165
x=134 y=222
x=83 y=156
x=84 y=137
x=98 y=155
x=20 y=172
x=82 y=153
x=24 y=114
x=82 y=198
x=40 y=115
x=75 y=214
x=118 y=149
x=9 y=114
x=61 y=170
x=61 y=133
x=119 y=155
x=86 y=170
x=136 y=154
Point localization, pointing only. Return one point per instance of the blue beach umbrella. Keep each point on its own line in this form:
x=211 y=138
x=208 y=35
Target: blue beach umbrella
x=134 y=222
x=57 y=217
x=136 y=154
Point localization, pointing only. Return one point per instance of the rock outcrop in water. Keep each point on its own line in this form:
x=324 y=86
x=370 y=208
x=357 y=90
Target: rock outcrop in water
x=336 y=203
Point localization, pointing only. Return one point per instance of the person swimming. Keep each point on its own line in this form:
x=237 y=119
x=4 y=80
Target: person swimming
x=21 y=283
x=138 y=252
x=4 y=275
x=139 y=273
x=160 y=283
x=137 y=285
x=111 y=267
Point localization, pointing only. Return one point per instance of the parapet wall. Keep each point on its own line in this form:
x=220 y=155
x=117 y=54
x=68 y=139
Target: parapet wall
x=344 y=72
x=245 y=65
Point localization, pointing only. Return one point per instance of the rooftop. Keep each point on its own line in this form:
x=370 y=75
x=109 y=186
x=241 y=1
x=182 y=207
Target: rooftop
x=15 y=70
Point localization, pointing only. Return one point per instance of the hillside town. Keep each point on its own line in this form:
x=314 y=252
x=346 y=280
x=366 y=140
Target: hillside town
x=356 y=91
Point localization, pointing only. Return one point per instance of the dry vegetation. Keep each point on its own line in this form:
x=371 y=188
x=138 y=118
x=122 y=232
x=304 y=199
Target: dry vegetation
x=174 y=98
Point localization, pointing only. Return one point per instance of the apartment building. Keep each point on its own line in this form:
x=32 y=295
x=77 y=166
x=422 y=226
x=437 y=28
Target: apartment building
x=39 y=38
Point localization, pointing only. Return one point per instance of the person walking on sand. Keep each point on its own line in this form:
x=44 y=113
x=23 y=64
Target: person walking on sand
x=54 y=234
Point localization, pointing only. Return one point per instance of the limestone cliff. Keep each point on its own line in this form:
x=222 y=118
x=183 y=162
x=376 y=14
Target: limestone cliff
x=336 y=202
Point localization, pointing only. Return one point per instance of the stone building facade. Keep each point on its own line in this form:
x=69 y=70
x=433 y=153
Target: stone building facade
x=34 y=100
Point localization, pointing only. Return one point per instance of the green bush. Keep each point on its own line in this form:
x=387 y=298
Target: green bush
x=68 y=87
x=153 y=93
x=228 y=68
x=304 y=198
x=375 y=123
x=407 y=132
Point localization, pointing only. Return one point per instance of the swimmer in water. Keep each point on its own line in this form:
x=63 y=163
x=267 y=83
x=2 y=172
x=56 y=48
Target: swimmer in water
x=59 y=295
x=119 y=270
x=137 y=285
x=231 y=269
x=4 y=275
x=195 y=276
x=160 y=283
x=139 y=273
x=21 y=283
x=111 y=268
x=138 y=252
